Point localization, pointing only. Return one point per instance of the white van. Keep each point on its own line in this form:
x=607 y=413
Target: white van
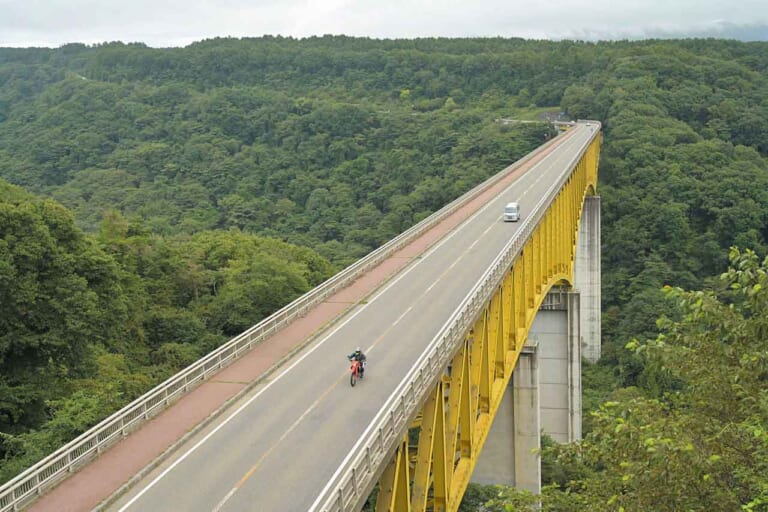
x=512 y=212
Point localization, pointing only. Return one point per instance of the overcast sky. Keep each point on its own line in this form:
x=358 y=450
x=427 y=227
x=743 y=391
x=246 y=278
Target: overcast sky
x=162 y=23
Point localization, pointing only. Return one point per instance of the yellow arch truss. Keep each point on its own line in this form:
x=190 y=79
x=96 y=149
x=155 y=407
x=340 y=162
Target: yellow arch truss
x=454 y=422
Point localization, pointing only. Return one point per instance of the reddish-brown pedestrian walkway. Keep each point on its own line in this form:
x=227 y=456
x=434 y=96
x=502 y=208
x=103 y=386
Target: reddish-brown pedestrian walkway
x=100 y=479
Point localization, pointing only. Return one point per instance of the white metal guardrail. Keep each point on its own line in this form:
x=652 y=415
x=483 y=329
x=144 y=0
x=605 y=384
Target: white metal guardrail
x=354 y=479
x=39 y=478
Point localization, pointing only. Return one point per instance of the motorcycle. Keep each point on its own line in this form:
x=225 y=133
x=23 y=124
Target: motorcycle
x=356 y=371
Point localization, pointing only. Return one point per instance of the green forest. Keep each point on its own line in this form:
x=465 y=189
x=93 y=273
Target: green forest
x=155 y=202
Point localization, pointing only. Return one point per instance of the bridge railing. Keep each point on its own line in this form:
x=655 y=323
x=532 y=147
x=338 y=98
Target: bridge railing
x=356 y=476
x=40 y=477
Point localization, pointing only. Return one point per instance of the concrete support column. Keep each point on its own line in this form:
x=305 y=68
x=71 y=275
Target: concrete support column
x=527 y=418
x=510 y=455
x=556 y=331
x=574 y=366
x=587 y=277
x=496 y=464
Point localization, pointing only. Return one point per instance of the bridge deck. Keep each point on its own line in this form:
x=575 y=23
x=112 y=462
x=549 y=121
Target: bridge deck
x=101 y=478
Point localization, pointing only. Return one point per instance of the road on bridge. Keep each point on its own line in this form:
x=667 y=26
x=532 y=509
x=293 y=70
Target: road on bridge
x=279 y=447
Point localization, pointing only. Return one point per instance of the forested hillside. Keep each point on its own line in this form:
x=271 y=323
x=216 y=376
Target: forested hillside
x=177 y=171
x=274 y=137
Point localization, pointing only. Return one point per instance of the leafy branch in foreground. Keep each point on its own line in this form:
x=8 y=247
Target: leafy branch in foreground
x=702 y=444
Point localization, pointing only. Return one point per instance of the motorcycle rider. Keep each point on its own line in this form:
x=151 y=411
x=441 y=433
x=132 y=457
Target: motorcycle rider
x=358 y=355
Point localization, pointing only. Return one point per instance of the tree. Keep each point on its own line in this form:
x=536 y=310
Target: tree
x=60 y=297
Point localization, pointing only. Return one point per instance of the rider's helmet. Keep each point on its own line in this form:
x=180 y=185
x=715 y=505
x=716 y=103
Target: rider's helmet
x=358 y=349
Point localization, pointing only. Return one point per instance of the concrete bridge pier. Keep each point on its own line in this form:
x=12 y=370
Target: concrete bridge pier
x=510 y=454
x=556 y=332
x=544 y=395
x=587 y=277
x=526 y=416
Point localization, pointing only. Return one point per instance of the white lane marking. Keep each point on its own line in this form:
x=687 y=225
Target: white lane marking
x=475 y=242
x=404 y=313
x=539 y=176
x=542 y=174
x=228 y=419
x=220 y=504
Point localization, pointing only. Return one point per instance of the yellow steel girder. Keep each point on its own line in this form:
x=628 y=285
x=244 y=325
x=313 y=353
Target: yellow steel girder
x=457 y=416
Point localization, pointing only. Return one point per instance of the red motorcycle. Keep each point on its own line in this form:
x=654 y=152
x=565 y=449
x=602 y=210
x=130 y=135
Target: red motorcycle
x=356 y=371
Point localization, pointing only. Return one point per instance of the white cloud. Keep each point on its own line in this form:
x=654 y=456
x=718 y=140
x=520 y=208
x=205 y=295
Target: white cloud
x=176 y=22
